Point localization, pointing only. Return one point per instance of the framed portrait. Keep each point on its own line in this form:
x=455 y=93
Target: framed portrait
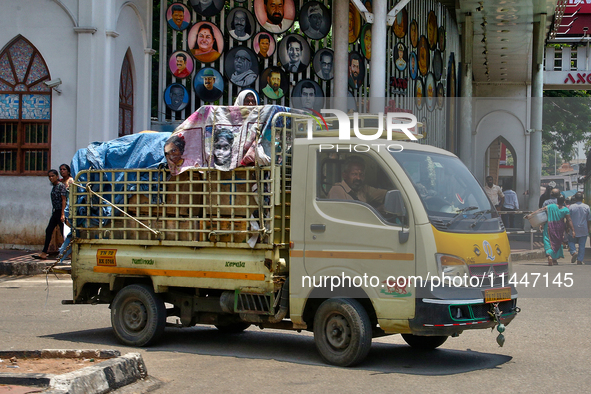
x=276 y=16
x=324 y=64
x=274 y=83
x=430 y=92
x=264 y=45
x=368 y=5
x=440 y=95
x=181 y=64
x=307 y=94
x=437 y=65
x=401 y=57
x=176 y=97
x=366 y=41
x=419 y=93
x=315 y=20
x=241 y=66
x=432 y=30
x=400 y=26
x=294 y=53
x=354 y=23
x=414 y=33
x=206 y=42
x=208 y=84
x=240 y=24
x=207 y=7
x=441 y=38
x=413 y=68
x=424 y=56
x=178 y=16
x=356 y=70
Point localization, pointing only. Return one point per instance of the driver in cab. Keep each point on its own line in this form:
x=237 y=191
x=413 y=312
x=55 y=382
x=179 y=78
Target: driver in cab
x=353 y=186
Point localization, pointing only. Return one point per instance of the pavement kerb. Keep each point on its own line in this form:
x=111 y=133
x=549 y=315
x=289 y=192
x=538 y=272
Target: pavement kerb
x=102 y=377
x=535 y=254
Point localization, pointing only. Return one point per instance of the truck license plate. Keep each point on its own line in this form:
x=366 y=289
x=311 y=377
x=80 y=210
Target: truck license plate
x=497 y=295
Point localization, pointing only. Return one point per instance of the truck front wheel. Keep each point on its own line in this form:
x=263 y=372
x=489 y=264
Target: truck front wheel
x=342 y=331
x=424 y=342
x=138 y=315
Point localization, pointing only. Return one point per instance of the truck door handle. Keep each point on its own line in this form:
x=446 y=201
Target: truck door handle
x=318 y=227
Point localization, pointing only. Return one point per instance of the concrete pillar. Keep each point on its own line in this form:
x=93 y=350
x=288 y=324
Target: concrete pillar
x=537 y=93
x=377 y=72
x=465 y=102
x=340 y=36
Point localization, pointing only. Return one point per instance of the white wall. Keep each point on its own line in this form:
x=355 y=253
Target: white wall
x=89 y=65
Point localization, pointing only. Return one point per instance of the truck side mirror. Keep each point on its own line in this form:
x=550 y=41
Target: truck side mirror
x=393 y=203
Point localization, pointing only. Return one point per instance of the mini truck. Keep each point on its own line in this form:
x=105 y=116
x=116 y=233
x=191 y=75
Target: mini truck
x=272 y=246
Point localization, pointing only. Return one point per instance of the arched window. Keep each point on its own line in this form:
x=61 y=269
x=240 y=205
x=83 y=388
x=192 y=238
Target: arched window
x=126 y=98
x=25 y=110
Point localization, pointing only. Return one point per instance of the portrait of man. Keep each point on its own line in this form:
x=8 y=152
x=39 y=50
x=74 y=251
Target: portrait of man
x=276 y=82
x=208 y=84
x=176 y=97
x=414 y=33
x=207 y=7
x=354 y=23
x=423 y=54
x=432 y=30
x=419 y=92
x=440 y=95
x=401 y=57
x=264 y=45
x=294 y=53
x=241 y=67
x=275 y=16
x=239 y=24
x=323 y=64
x=400 y=25
x=178 y=16
x=307 y=94
x=414 y=65
x=356 y=70
x=181 y=64
x=315 y=20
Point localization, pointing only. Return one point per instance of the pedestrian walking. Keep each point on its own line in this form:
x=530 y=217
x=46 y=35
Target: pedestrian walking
x=554 y=229
x=510 y=203
x=58 y=202
x=581 y=216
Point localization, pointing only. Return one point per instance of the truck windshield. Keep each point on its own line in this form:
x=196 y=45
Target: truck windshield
x=452 y=197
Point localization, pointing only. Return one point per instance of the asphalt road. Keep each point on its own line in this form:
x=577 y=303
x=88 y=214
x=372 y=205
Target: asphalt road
x=546 y=351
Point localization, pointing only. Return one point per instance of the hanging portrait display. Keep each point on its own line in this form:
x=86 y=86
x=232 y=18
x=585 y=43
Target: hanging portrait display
x=264 y=45
x=432 y=30
x=240 y=24
x=440 y=95
x=241 y=66
x=419 y=92
x=181 y=64
x=366 y=40
x=178 y=16
x=208 y=84
x=437 y=65
x=401 y=57
x=205 y=41
x=275 y=16
x=294 y=53
x=315 y=20
x=400 y=26
x=274 y=82
x=441 y=38
x=207 y=7
x=176 y=97
x=356 y=70
x=430 y=91
x=354 y=23
x=423 y=55
x=323 y=63
x=414 y=33
x=413 y=68
x=307 y=94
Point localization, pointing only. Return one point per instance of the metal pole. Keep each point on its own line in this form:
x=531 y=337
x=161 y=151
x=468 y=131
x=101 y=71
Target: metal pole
x=340 y=29
x=377 y=73
x=465 y=107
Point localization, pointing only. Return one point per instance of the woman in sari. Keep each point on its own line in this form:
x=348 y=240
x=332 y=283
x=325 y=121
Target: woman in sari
x=555 y=228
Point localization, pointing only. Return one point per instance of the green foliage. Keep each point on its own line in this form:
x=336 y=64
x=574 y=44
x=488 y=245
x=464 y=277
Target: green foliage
x=548 y=160
x=567 y=116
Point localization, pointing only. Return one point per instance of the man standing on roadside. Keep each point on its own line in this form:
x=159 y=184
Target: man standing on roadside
x=494 y=192
x=581 y=216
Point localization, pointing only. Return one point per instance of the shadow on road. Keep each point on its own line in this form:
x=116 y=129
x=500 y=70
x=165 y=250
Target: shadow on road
x=299 y=348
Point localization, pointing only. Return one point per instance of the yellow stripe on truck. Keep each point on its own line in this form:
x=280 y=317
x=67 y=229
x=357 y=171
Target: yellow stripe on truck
x=179 y=273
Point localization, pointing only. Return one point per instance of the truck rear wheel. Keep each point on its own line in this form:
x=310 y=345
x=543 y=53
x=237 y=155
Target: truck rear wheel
x=342 y=331
x=424 y=342
x=138 y=315
x=234 y=328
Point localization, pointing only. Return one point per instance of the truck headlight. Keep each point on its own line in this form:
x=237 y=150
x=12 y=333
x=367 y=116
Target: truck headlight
x=449 y=265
